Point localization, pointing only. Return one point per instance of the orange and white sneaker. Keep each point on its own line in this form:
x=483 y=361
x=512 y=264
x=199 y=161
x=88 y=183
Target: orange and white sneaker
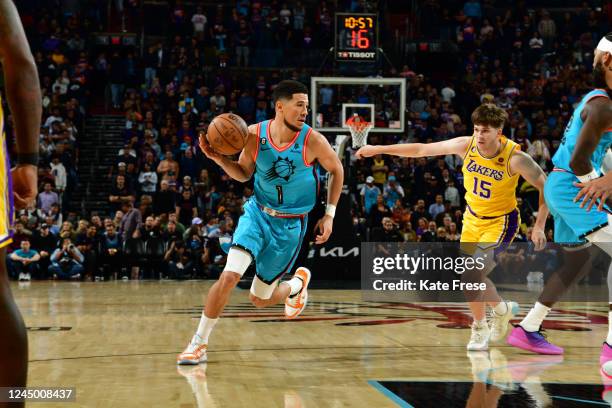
x=295 y=304
x=194 y=353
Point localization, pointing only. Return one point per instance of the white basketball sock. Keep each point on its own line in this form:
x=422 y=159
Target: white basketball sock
x=535 y=317
x=481 y=323
x=295 y=284
x=205 y=327
x=501 y=308
x=609 y=338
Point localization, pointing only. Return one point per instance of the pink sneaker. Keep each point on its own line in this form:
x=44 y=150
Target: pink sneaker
x=605 y=359
x=532 y=341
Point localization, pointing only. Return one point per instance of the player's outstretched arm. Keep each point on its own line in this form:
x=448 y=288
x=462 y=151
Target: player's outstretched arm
x=523 y=164
x=456 y=146
x=23 y=94
x=320 y=150
x=241 y=170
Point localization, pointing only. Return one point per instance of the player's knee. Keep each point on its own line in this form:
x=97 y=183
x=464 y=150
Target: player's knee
x=603 y=237
x=257 y=302
x=228 y=280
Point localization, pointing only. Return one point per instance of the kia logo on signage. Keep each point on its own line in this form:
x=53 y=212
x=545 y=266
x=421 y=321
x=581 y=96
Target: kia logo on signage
x=335 y=252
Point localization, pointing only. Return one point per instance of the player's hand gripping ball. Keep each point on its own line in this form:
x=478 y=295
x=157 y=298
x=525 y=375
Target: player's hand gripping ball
x=227 y=134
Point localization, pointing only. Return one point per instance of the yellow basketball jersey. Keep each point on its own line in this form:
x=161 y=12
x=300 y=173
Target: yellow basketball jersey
x=490 y=189
x=6 y=189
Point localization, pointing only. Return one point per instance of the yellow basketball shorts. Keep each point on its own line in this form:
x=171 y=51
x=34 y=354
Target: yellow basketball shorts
x=488 y=233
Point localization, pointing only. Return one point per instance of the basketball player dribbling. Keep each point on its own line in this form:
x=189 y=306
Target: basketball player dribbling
x=491 y=169
x=20 y=187
x=283 y=154
x=585 y=143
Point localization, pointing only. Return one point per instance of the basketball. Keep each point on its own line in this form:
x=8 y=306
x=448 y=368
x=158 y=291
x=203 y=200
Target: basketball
x=227 y=134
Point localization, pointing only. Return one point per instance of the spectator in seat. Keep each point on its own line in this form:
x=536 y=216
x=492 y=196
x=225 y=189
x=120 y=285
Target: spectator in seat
x=180 y=227
x=147 y=179
x=20 y=234
x=379 y=211
x=187 y=185
x=437 y=207
x=44 y=242
x=441 y=235
x=387 y=232
x=453 y=234
x=111 y=251
x=31 y=215
x=392 y=191
x=67 y=261
x=452 y=194
x=59 y=173
x=186 y=208
x=47 y=198
x=379 y=170
x=56 y=218
x=178 y=257
x=189 y=165
x=369 y=194
x=164 y=200
x=216 y=247
x=168 y=169
x=24 y=261
x=197 y=228
x=171 y=234
x=119 y=193
x=150 y=229
x=87 y=243
x=431 y=234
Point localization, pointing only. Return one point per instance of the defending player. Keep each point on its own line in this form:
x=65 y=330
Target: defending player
x=23 y=93
x=579 y=158
x=492 y=165
x=282 y=153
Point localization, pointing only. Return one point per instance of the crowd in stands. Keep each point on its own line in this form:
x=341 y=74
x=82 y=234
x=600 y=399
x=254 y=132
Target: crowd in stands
x=533 y=62
x=171 y=205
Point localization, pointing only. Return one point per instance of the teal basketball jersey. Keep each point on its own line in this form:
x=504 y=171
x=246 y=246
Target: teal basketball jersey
x=283 y=179
x=563 y=156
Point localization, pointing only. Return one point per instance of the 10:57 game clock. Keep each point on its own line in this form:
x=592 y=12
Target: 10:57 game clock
x=356 y=37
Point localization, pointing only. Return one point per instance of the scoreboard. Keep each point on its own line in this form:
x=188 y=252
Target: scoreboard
x=356 y=37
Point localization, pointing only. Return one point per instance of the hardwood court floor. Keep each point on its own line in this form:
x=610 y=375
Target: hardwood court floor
x=116 y=342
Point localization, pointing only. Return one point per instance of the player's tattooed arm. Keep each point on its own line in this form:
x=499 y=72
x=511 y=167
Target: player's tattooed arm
x=523 y=164
x=598 y=119
x=21 y=79
x=456 y=146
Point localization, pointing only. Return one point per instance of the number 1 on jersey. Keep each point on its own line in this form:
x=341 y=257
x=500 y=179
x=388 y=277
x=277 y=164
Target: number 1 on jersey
x=279 y=190
x=483 y=186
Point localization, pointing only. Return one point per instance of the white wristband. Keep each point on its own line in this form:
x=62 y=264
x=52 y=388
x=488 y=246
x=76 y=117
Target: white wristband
x=330 y=210
x=588 y=177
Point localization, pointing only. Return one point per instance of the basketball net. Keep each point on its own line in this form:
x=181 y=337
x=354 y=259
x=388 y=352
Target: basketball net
x=359 y=129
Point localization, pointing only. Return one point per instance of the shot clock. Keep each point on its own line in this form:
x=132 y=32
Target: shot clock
x=356 y=37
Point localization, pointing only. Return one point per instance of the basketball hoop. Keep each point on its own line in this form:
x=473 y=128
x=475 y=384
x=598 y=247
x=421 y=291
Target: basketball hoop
x=359 y=129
